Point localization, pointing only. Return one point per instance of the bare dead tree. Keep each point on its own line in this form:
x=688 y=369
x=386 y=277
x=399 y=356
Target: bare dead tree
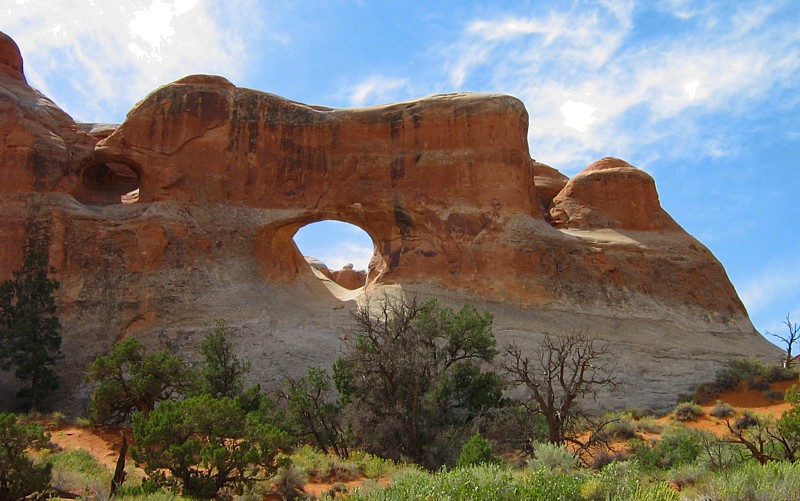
x=789 y=340
x=764 y=440
x=558 y=374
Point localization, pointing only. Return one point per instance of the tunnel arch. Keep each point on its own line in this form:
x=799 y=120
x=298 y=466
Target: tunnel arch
x=280 y=258
x=336 y=250
x=109 y=183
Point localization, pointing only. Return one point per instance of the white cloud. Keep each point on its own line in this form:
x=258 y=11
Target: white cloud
x=347 y=253
x=690 y=88
x=777 y=282
x=123 y=50
x=578 y=115
x=378 y=90
x=634 y=91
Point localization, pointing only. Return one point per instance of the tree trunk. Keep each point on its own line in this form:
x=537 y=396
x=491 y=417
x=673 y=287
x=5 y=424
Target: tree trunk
x=119 y=471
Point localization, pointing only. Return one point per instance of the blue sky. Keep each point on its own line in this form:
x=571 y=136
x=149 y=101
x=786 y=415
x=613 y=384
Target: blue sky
x=703 y=95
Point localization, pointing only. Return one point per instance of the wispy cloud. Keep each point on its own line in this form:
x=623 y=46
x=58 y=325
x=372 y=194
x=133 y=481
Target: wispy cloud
x=594 y=85
x=378 y=89
x=117 y=52
x=778 y=282
x=638 y=90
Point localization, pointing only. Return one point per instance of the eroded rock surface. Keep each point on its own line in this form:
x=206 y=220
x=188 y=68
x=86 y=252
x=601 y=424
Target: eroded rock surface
x=444 y=185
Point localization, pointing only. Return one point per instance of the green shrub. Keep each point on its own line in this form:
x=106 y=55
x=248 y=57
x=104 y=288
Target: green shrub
x=746 y=420
x=373 y=466
x=288 y=482
x=552 y=458
x=78 y=471
x=648 y=425
x=83 y=422
x=754 y=481
x=722 y=410
x=477 y=482
x=678 y=446
x=19 y=475
x=131 y=380
x=687 y=411
x=477 y=450
x=687 y=475
x=774 y=395
x=619 y=428
x=206 y=444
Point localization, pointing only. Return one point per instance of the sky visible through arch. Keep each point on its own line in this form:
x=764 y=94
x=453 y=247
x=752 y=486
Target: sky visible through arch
x=703 y=95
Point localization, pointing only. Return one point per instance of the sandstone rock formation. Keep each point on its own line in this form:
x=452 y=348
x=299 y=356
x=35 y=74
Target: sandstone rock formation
x=349 y=278
x=444 y=185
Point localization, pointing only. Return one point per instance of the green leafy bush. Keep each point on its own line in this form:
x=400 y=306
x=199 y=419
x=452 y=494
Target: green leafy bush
x=19 y=475
x=477 y=450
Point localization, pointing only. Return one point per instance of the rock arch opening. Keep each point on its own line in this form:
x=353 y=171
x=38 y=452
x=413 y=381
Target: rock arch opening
x=109 y=183
x=338 y=251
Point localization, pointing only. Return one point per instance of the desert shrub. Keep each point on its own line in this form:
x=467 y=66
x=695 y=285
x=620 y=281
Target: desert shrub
x=58 y=419
x=552 y=458
x=677 y=446
x=288 y=482
x=747 y=419
x=753 y=371
x=622 y=481
x=78 y=471
x=19 y=475
x=477 y=482
x=687 y=411
x=687 y=475
x=774 y=395
x=83 y=422
x=619 y=427
x=325 y=467
x=648 y=425
x=722 y=410
x=513 y=427
x=720 y=455
x=779 y=373
x=372 y=466
x=758 y=384
x=605 y=457
x=754 y=481
x=477 y=450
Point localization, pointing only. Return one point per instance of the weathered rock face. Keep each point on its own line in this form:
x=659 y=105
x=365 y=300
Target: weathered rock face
x=610 y=193
x=444 y=185
x=349 y=278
